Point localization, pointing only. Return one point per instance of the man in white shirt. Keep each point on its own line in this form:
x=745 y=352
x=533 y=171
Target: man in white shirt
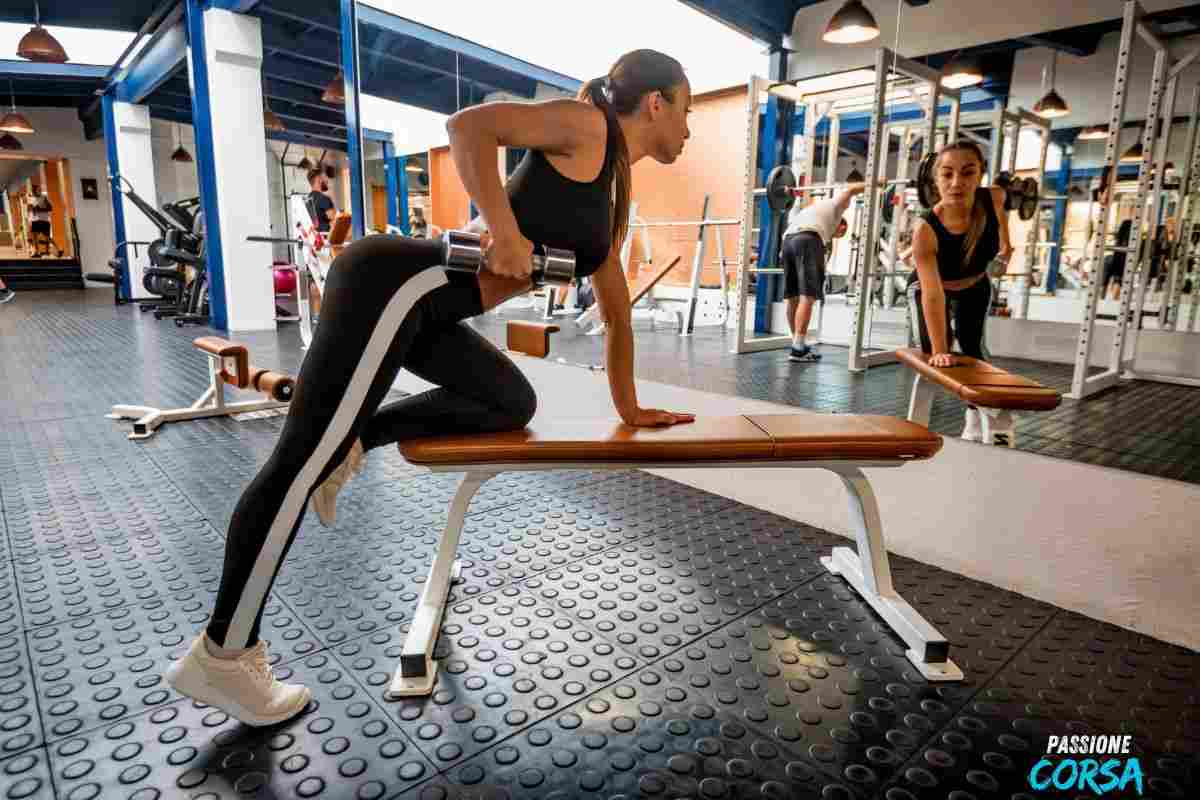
x=806 y=244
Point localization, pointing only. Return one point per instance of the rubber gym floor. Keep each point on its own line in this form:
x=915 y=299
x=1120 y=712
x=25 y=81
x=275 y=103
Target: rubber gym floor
x=616 y=635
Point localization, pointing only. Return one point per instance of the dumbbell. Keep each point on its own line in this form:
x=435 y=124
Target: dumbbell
x=462 y=251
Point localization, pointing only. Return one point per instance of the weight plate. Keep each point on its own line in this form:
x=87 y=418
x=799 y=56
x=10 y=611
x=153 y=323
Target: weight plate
x=1031 y=188
x=889 y=200
x=927 y=193
x=1003 y=180
x=780 y=183
x=1028 y=208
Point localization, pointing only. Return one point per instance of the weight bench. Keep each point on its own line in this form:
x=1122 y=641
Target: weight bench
x=228 y=365
x=978 y=383
x=844 y=444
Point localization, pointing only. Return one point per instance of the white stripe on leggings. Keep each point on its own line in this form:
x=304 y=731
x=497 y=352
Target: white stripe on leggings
x=397 y=310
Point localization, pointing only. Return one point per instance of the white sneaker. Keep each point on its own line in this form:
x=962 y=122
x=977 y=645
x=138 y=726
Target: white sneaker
x=244 y=687
x=973 y=430
x=324 y=499
x=1004 y=430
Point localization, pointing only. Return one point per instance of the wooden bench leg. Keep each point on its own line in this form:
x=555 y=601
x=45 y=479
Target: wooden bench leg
x=920 y=403
x=869 y=572
x=417 y=673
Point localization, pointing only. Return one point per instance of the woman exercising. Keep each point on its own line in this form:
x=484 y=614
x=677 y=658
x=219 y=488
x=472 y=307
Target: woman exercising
x=953 y=244
x=388 y=305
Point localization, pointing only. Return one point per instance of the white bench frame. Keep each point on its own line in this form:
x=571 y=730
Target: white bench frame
x=920 y=406
x=867 y=570
x=147 y=419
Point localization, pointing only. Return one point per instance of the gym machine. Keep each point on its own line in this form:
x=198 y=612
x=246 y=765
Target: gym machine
x=1147 y=205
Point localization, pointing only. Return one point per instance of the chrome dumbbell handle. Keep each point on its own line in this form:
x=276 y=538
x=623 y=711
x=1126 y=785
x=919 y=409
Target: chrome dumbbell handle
x=463 y=252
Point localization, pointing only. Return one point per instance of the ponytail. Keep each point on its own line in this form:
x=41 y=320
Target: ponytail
x=635 y=75
x=598 y=92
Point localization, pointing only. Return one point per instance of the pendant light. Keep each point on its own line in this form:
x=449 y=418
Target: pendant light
x=1134 y=154
x=304 y=164
x=1051 y=106
x=180 y=156
x=961 y=72
x=852 y=24
x=10 y=142
x=1094 y=132
x=39 y=45
x=271 y=120
x=14 y=122
x=335 y=92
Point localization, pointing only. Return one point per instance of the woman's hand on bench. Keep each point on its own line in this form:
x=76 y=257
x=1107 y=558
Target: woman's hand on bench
x=942 y=360
x=657 y=418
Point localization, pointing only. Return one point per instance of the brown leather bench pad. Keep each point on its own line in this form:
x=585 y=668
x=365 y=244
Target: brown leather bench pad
x=784 y=437
x=981 y=384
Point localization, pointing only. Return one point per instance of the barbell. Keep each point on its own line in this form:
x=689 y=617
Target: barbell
x=1021 y=194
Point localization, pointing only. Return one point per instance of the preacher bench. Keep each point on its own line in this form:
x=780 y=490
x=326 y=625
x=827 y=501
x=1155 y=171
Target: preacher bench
x=228 y=365
x=841 y=443
x=989 y=388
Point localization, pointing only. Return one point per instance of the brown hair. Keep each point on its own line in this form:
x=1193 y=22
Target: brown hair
x=635 y=75
x=978 y=212
x=316 y=172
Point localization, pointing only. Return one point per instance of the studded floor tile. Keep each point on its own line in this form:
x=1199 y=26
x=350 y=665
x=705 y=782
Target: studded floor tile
x=26 y=777
x=99 y=669
x=504 y=662
x=1089 y=672
x=81 y=579
x=656 y=595
x=93 y=500
x=533 y=536
x=20 y=720
x=642 y=738
x=341 y=746
x=821 y=675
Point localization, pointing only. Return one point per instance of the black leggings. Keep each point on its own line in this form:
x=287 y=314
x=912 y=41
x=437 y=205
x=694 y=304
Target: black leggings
x=966 y=315
x=386 y=306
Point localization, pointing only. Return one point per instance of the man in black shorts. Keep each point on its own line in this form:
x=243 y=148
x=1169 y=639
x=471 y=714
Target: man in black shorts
x=806 y=245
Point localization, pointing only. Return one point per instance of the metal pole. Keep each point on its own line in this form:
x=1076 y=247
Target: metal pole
x=876 y=156
x=1081 y=384
x=1183 y=224
x=1031 y=238
x=997 y=143
x=746 y=236
x=689 y=315
x=1117 y=358
x=1156 y=205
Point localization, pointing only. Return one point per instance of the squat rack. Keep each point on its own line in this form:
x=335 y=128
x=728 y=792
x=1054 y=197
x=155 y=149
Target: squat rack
x=890 y=67
x=1165 y=69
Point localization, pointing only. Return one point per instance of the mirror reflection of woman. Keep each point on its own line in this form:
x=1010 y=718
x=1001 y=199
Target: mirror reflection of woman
x=953 y=245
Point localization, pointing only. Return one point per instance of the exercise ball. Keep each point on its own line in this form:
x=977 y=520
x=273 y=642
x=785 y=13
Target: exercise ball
x=285 y=281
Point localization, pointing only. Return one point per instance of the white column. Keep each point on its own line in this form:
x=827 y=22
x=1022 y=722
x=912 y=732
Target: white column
x=233 y=54
x=135 y=155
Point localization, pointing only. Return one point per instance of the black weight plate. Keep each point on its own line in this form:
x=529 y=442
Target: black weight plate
x=780 y=183
x=1028 y=208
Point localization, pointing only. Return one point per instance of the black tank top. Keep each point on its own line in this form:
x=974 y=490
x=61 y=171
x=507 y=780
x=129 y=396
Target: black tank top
x=555 y=211
x=951 y=252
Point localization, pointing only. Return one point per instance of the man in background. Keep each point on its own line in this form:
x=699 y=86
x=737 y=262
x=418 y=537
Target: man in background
x=320 y=205
x=807 y=243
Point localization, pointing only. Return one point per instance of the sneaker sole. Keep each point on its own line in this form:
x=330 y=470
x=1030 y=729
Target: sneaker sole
x=206 y=693
x=804 y=359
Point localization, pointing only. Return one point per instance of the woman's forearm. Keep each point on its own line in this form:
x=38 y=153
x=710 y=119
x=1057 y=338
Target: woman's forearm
x=934 y=306
x=474 y=153
x=619 y=358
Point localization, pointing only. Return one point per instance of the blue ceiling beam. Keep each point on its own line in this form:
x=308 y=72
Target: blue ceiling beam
x=768 y=21
x=30 y=69
x=236 y=6
x=155 y=64
x=389 y=22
